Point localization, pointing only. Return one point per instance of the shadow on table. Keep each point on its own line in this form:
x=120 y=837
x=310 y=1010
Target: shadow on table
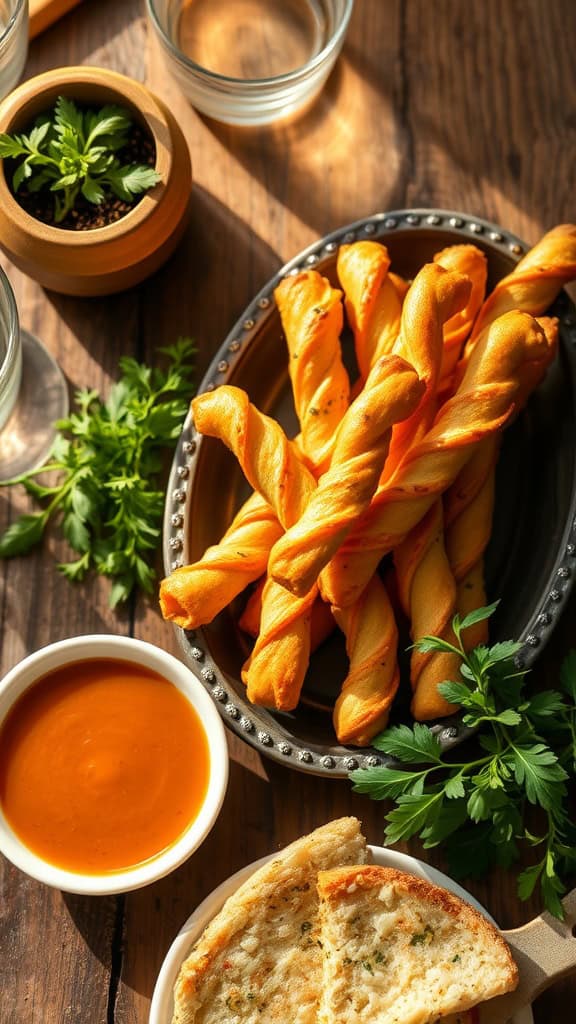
x=218 y=266
x=134 y=944
x=99 y=32
x=315 y=162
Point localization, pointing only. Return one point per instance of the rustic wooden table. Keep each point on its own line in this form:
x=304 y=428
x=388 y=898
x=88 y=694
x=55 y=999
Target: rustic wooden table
x=463 y=105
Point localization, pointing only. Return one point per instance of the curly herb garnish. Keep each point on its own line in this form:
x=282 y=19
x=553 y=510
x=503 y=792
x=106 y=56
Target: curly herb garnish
x=72 y=153
x=480 y=810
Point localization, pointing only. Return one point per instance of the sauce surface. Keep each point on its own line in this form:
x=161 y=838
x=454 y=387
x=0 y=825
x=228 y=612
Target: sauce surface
x=103 y=765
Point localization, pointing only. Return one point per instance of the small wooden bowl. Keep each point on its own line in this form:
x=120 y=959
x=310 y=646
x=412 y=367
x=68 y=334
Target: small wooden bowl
x=98 y=261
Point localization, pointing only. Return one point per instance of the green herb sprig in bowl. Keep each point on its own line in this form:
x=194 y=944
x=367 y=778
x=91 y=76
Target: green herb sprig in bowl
x=71 y=153
x=480 y=810
x=108 y=457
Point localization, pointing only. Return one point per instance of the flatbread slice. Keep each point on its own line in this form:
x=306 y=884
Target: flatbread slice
x=260 y=958
x=398 y=950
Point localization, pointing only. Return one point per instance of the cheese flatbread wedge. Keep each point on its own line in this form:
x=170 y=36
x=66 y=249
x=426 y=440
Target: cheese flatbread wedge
x=398 y=950
x=260 y=958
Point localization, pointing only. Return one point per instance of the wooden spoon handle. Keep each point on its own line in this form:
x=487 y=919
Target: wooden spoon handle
x=44 y=12
x=545 y=950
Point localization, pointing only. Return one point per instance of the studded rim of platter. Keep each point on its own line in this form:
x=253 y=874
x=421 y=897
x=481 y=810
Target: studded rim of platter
x=255 y=725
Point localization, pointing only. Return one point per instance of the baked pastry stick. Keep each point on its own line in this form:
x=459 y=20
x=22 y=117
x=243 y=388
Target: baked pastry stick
x=468 y=260
x=372 y=300
x=427 y=591
x=484 y=402
x=454 y=572
x=434 y=297
x=363 y=706
x=270 y=462
x=535 y=281
x=311 y=314
x=192 y=595
x=300 y=555
x=272 y=465
x=469 y=503
x=322 y=622
x=421 y=561
x=532 y=286
x=392 y=392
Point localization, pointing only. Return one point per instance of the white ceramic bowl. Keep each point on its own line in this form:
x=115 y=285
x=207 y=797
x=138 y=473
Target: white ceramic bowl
x=162 y=1006
x=83 y=648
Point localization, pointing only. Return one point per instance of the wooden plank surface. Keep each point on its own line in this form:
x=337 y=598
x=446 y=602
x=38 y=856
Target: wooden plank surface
x=458 y=104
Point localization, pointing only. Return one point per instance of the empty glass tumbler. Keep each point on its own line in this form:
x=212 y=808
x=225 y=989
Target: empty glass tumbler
x=250 y=62
x=33 y=393
x=13 y=43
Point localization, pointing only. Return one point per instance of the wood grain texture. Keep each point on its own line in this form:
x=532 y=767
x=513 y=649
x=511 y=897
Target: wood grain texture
x=460 y=104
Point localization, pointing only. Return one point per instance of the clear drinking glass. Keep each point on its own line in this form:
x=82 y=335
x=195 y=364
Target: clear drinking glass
x=13 y=42
x=250 y=62
x=33 y=393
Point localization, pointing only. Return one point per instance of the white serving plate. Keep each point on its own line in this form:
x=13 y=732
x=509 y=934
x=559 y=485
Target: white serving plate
x=162 y=1006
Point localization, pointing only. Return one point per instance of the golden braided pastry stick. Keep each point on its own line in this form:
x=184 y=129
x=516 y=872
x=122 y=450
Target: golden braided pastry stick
x=483 y=403
x=270 y=462
x=311 y=314
x=532 y=286
x=392 y=392
x=372 y=301
x=468 y=260
x=457 y=567
x=469 y=503
x=194 y=594
x=535 y=281
x=275 y=671
x=401 y=285
x=363 y=706
x=434 y=296
x=427 y=592
x=322 y=622
x=426 y=541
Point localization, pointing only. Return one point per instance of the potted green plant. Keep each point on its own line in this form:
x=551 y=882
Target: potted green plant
x=95 y=180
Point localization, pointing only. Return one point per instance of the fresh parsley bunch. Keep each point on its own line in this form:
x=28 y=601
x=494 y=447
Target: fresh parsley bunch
x=515 y=791
x=73 y=152
x=109 y=456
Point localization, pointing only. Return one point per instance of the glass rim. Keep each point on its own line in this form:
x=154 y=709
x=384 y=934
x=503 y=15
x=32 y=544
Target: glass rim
x=8 y=301
x=247 y=84
x=12 y=19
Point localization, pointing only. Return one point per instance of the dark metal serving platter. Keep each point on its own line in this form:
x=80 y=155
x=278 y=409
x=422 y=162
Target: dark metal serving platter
x=532 y=555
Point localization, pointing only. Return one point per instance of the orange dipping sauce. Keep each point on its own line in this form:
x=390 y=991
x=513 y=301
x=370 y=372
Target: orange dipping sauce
x=103 y=765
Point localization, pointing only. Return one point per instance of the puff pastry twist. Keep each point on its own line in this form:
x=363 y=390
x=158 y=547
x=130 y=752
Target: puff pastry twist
x=361 y=445
x=483 y=403
x=194 y=594
x=270 y=462
x=373 y=300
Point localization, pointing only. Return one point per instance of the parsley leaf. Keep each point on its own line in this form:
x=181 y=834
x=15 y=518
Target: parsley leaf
x=108 y=457
x=71 y=152
x=477 y=809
